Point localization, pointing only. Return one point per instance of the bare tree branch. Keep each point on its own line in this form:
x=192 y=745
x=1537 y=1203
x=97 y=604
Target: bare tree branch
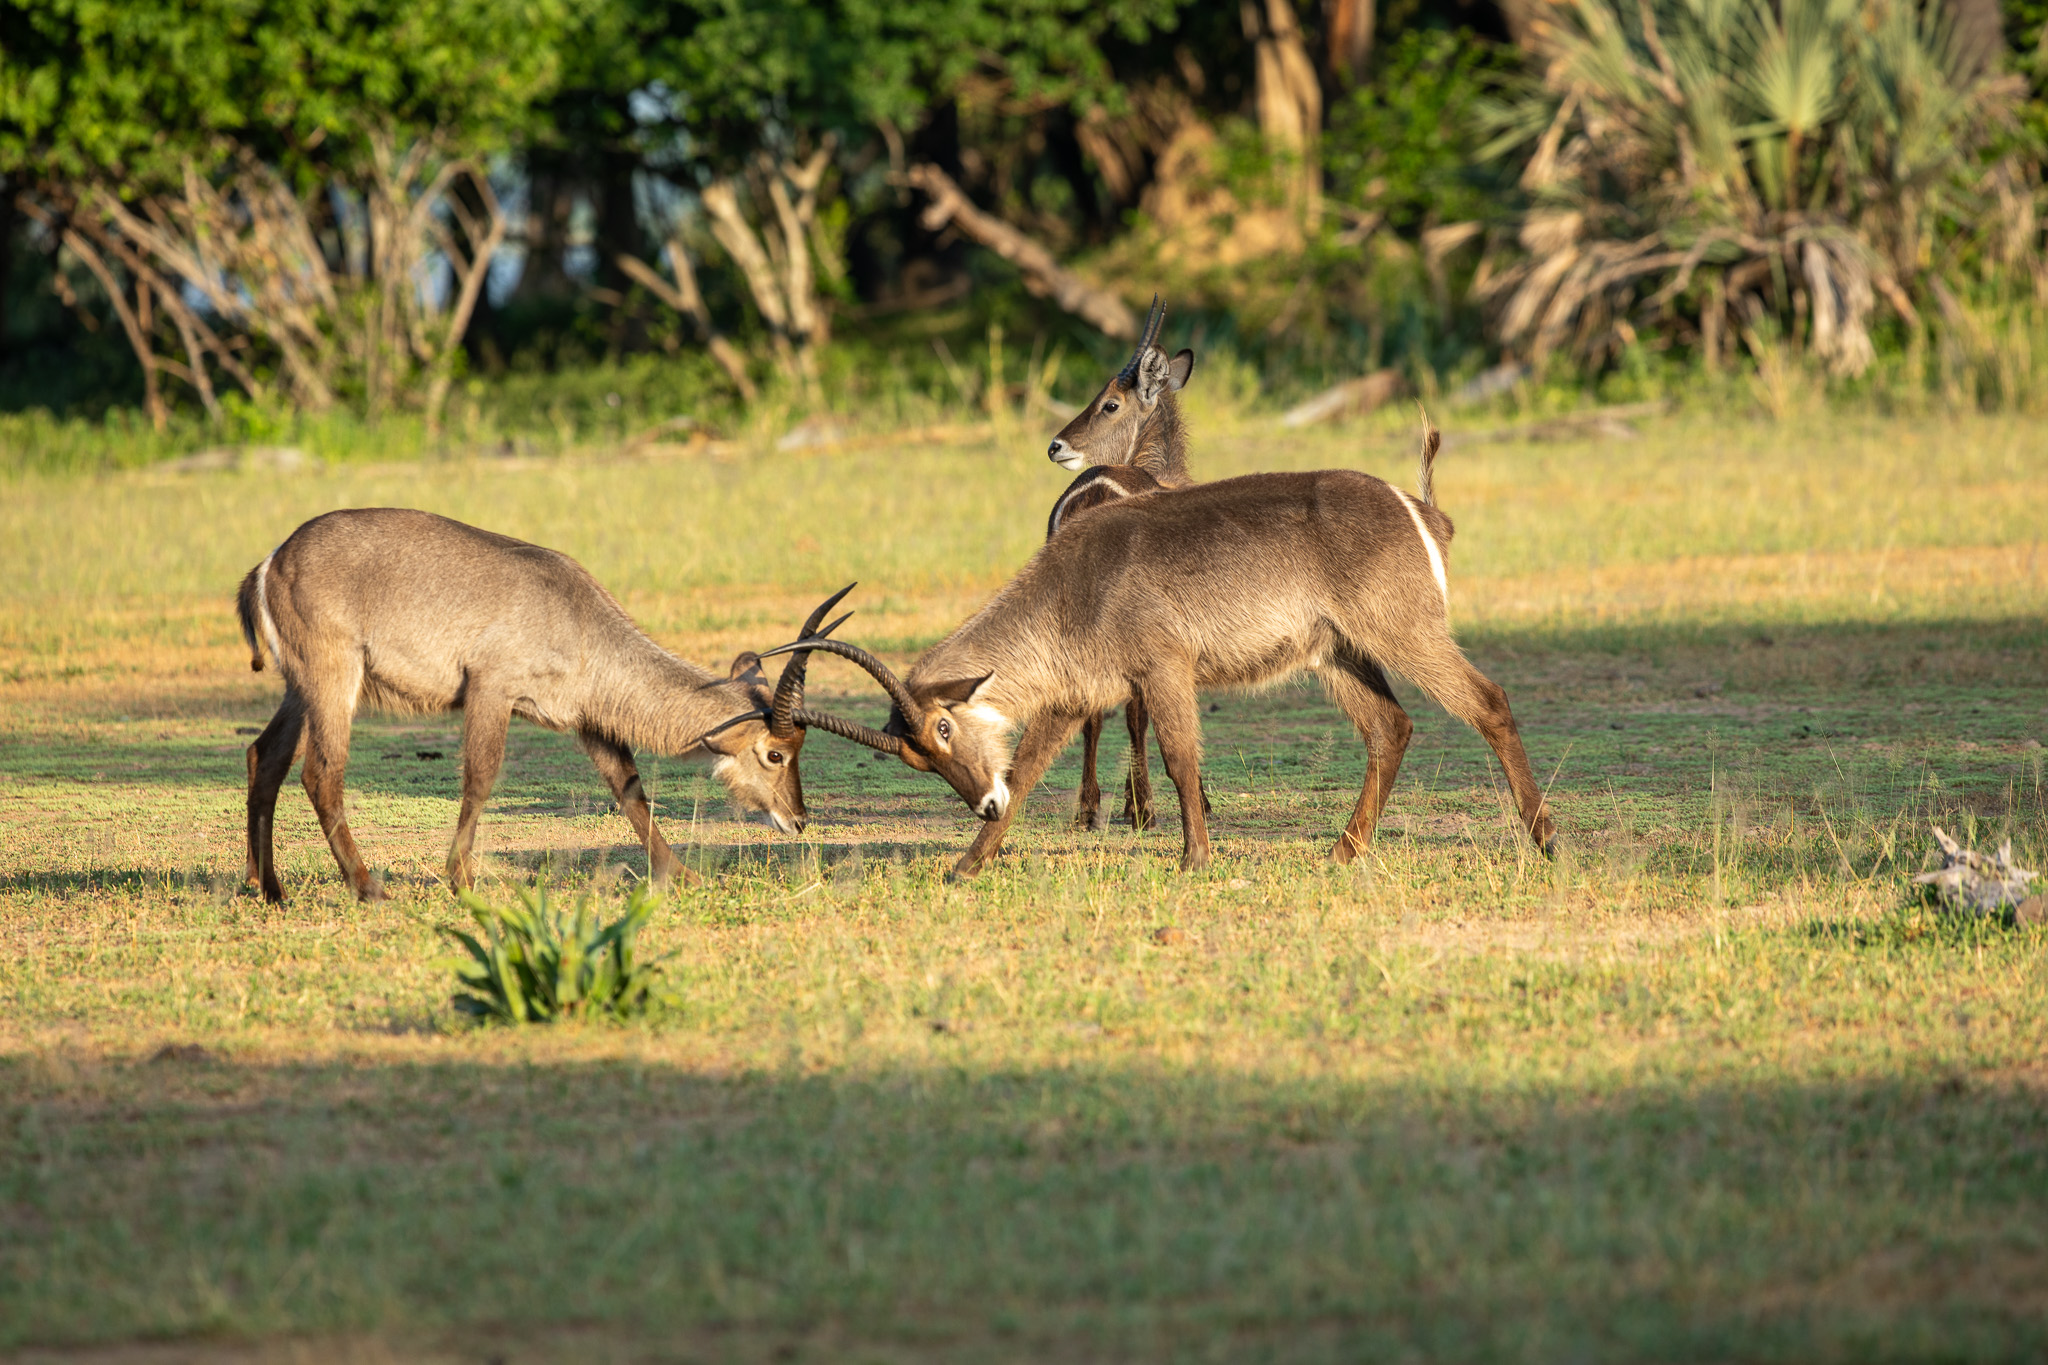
x=1042 y=274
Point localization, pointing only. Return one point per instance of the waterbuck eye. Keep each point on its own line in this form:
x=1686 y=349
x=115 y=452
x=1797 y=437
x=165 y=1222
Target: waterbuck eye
x=945 y=728
x=1111 y=407
x=775 y=756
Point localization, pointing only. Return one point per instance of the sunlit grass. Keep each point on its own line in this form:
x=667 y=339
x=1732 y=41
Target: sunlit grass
x=1712 y=1085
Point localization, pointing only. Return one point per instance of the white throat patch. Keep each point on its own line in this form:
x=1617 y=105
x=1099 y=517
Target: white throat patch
x=1436 y=557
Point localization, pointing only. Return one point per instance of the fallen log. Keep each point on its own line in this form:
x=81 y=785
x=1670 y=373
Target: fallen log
x=1348 y=399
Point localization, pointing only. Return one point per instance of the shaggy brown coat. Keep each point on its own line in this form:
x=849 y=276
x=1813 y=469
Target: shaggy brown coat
x=412 y=613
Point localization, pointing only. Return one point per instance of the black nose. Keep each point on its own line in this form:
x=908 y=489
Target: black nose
x=988 y=809
x=1053 y=450
x=800 y=822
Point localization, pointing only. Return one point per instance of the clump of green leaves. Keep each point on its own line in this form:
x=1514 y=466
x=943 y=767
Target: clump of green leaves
x=536 y=962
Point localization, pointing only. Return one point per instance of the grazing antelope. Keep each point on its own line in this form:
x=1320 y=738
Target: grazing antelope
x=413 y=613
x=1238 y=583
x=1128 y=439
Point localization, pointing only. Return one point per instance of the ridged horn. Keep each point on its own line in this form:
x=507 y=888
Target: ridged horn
x=789 y=688
x=912 y=713
x=849 y=729
x=1146 y=340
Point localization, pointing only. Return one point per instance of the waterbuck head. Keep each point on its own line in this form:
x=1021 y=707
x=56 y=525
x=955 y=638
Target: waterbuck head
x=1135 y=420
x=947 y=728
x=754 y=754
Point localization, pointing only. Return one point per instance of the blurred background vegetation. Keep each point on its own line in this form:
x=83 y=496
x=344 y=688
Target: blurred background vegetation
x=367 y=226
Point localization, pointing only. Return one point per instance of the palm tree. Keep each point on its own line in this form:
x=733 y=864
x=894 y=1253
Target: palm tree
x=1731 y=164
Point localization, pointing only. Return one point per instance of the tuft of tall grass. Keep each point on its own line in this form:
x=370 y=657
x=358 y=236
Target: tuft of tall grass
x=537 y=962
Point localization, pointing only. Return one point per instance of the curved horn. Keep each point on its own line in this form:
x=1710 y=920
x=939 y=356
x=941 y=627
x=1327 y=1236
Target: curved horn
x=1146 y=339
x=741 y=719
x=876 y=669
x=789 y=688
x=848 y=729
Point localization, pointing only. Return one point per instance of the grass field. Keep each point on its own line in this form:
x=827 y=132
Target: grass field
x=1712 y=1086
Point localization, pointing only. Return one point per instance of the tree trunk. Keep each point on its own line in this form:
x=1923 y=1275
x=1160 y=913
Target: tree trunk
x=1350 y=51
x=10 y=222
x=687 y=299
x=1288 y=95
x=132 y=322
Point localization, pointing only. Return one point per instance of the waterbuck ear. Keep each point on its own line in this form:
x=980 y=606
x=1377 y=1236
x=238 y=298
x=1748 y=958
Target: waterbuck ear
x=1179 y=368
x=1153 y=376
x=746 y=667
x=956 y=689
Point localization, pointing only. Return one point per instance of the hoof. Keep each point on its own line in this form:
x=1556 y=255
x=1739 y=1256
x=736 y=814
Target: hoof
x=1090 y=820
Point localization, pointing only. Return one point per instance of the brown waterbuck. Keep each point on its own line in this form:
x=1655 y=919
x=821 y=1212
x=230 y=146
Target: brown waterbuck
x=412 y=613
x=1129 y=439
x=1238 y=583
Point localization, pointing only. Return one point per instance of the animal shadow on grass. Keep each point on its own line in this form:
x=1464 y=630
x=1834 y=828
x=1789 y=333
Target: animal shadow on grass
x=596 y=865
x=424 y=1175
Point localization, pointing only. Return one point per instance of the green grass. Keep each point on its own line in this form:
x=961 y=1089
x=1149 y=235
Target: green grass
x=1711 y=1086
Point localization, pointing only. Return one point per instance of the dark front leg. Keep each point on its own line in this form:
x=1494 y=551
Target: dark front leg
x=485 y=719
x=270 y=762
x=323 y=774
x=614 y=763
x=1138 y=780
x=1361 y=689
x=1037 y=747
x=1138 y=807
x=1088 y=810
x=1177 y=716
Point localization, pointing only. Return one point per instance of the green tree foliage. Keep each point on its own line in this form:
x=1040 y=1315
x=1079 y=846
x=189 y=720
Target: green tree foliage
x=132 y=91
x=1406 y=143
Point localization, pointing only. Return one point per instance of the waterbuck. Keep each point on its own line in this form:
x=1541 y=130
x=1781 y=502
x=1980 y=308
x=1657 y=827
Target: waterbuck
x=1128 y=439
x=1238 y=583
x=413 y=613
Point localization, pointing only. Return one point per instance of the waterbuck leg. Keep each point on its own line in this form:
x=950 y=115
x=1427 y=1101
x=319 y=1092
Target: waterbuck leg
x=1177 y=715
x=1138 y=808
x=270 y=762
x=485 y=719
x=323 y=774
x=1138 y=780
x=1477 y=700
x=1037 y=747
x=1361 y=689
x=1088 y=811
x=615 y=763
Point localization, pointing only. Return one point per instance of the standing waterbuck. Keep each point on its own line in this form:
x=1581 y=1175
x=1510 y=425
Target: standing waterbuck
x=1238 y=583
x=1129 y=439
x=413 y=613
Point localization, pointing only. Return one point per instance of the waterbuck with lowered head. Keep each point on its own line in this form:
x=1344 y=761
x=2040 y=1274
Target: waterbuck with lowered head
x=409 y=612
x=1239 y=583
x=1129 y=439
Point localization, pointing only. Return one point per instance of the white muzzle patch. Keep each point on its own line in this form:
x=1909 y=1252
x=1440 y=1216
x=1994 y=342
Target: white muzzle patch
x=1073 y=463
x=996 y=802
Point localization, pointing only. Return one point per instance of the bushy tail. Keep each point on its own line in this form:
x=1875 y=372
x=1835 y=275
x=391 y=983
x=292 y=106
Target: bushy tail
x=249 y=607
x=1432 y=439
